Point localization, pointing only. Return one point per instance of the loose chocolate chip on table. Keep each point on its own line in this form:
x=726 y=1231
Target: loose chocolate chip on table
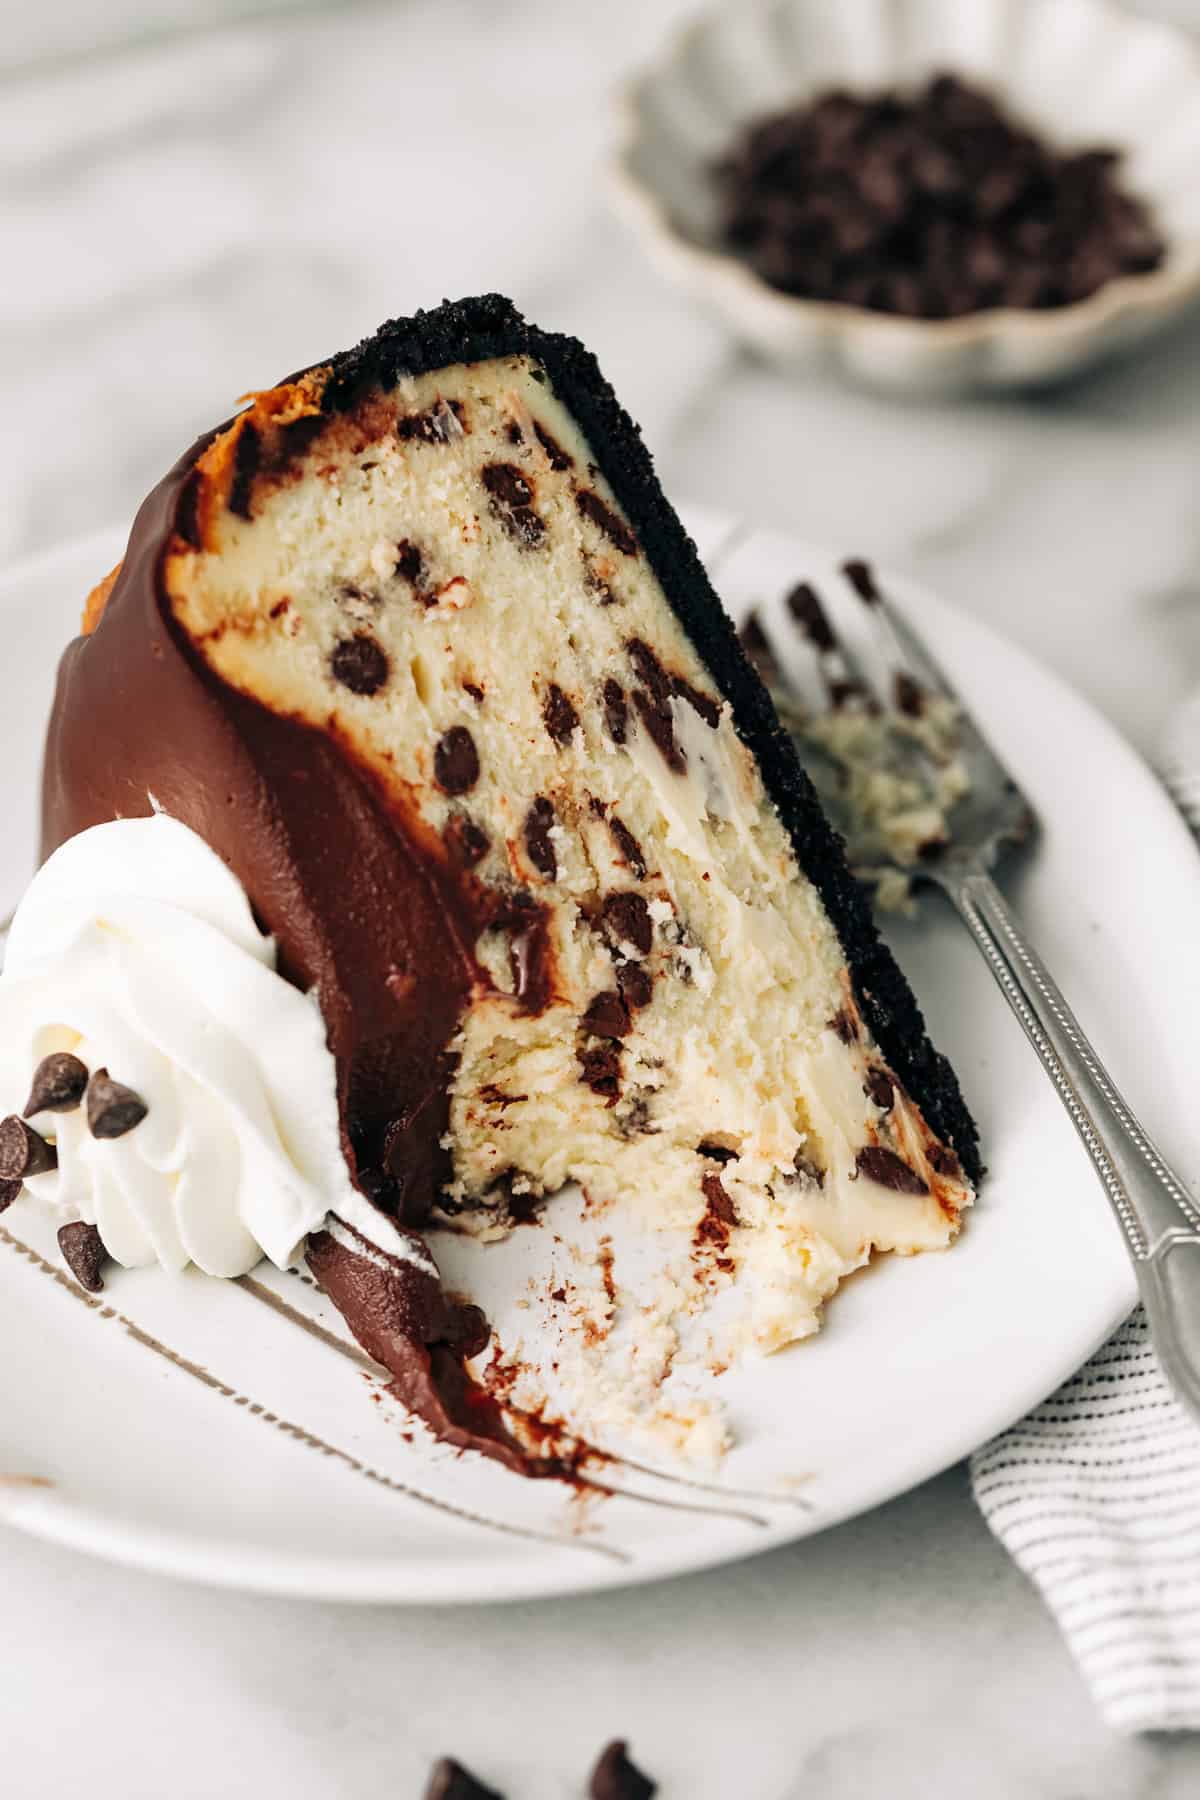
x=450 y=1781
x=616 y=710
x=600 y=513
x=511 y=494
x=558 y=714
x=805 y=607
x=23 y=1151
x=466 y=841
x=555 y=454
x=539 y=821
x=616 y=1778
x=891 y=1171
x=879 y=1086
x=607 y=1015
x=456 y=761
x=627 y=918
x=861 y=577
x=601 y=1070
x=628 y=846
x=9 y=1191
x=84 y=1254
x=635 y=983
x=112 y=1108
x=359 y=663
x=59 y=1083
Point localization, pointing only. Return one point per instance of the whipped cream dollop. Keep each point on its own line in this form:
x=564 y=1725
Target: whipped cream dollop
x=135 y=950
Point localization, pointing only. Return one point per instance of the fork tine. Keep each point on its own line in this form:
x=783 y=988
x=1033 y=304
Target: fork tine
x=904 y=651
x=799 y=620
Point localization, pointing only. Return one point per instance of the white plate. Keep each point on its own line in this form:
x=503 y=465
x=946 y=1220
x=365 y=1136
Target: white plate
x=191 y=1426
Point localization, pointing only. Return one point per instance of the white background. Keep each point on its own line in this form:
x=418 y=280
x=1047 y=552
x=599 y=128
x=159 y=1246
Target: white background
x=196 y=215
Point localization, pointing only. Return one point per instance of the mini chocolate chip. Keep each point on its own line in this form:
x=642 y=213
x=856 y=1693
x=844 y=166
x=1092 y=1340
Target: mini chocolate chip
x=442 y=421
x=538 y=823
x=246 y=456
x=601 y=1070
x=656 y=717
x=23 y=1151
x=910 y=696
x=719 y=1153
x=556 y=455
x=616 y=710
x=607 y=1015
x=84 y=1254
x=476 y=692
x=559 y=715
x=650 y=671
x=360 y=664
x=635 y=983
x=513 y=432
x=59 y=1083
x=891 y=1171
x=112 y=1108
x=702 y=703
x=450 y=1781
x=944 y=1162
x=861 y=577
x=456 y=761
x=843 y=1024
x=879 y=1086
x=616 y=1778
x=628 y=846
x=811 y=1174
x=511 y=494
x=720 y=1206
x=627 y=918
x=600 y=513
x=605 y=593
x=506 y=483
x=410 y=564
x=466 y=841
x=9 y=1191
x=804 y=605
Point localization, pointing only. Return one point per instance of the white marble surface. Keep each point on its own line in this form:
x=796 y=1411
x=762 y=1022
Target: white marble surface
x=186 y=220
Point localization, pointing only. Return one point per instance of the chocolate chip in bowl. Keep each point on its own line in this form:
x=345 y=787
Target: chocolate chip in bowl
x=932 y=205
x=932 y=198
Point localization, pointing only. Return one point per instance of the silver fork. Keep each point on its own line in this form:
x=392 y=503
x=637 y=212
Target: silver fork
x=1159 y=1218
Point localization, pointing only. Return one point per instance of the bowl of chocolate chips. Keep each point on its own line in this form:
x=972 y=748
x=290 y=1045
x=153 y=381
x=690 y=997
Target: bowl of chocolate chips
x=934 y=195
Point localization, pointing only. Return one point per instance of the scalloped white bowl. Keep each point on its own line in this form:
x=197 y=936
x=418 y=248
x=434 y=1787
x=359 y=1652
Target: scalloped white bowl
x=1079 y=71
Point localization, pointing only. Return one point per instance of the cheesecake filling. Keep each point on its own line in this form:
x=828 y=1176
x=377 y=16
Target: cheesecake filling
x=445 y=583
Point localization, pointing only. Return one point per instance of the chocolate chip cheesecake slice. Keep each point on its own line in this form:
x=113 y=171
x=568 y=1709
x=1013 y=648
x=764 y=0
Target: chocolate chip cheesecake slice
x=418 y=646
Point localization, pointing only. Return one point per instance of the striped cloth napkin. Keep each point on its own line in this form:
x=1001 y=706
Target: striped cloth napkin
x=1096 y=1495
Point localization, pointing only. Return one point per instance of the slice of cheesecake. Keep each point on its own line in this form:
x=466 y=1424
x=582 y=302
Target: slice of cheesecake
x=418 y=646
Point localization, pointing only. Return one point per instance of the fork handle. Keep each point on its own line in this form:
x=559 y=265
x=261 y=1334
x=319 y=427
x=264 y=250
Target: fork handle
x=1159 y=1218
